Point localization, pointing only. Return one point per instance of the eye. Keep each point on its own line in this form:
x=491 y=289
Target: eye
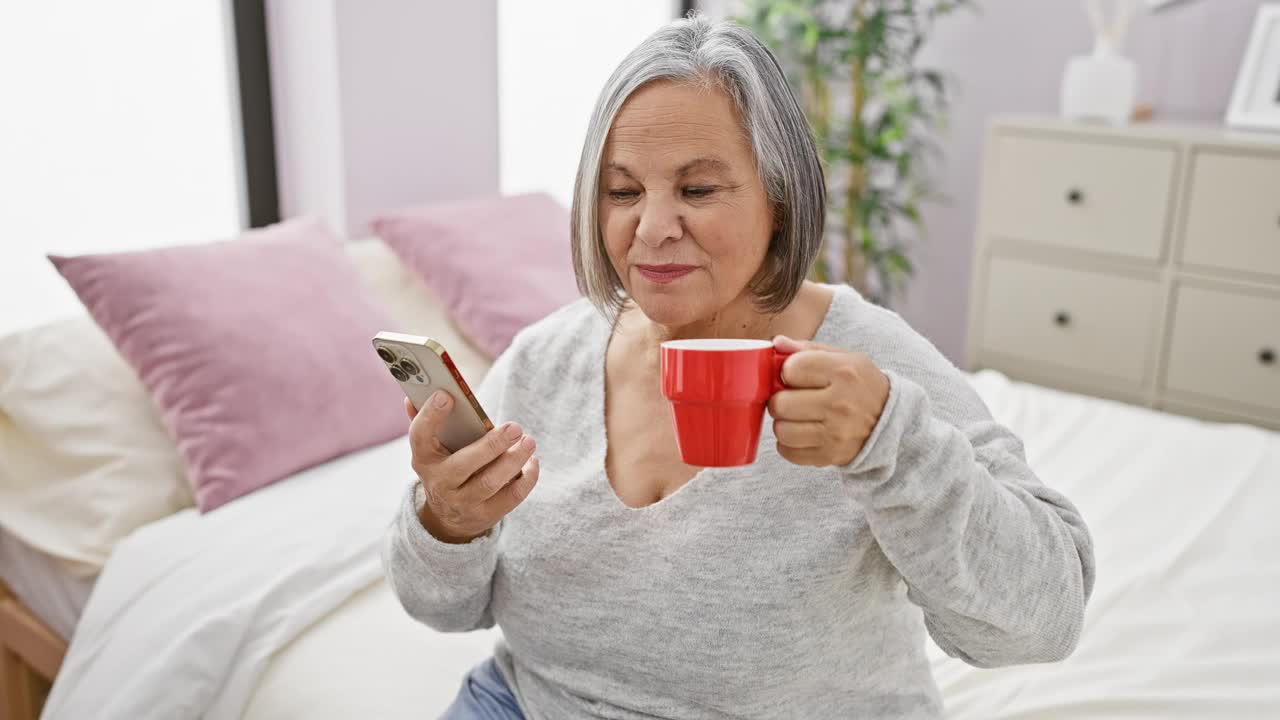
x=698 y=192
x=623 y=195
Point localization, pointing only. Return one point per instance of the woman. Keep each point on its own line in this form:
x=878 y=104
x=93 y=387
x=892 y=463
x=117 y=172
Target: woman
x=885 y=502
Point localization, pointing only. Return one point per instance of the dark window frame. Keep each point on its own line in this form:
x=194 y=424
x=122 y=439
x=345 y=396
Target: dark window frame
x=253 y=66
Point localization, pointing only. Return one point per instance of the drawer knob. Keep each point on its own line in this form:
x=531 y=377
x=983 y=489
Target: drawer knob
x=1267 y=356
x=1075 y=196
x=1062 y=318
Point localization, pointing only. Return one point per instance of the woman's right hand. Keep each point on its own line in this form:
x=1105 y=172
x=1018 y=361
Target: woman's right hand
x=468 y=491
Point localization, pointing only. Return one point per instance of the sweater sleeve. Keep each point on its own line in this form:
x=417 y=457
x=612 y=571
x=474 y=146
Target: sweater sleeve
x=446 y=586
x=1001 y=565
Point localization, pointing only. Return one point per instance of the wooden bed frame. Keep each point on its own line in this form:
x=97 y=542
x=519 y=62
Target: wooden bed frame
x=30 y=655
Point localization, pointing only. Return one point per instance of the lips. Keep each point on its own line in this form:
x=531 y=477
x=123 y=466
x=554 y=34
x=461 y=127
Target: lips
x=664 y=274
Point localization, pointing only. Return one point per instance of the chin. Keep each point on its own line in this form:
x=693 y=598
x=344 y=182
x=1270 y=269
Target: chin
x=673 y=306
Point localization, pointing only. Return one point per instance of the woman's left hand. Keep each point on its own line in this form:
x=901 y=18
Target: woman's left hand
x=832 y=403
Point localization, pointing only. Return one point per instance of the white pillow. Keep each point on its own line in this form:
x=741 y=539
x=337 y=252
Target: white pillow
x=84 y=459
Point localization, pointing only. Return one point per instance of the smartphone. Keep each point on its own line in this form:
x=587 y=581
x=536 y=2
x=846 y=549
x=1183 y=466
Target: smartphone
x=422 y=366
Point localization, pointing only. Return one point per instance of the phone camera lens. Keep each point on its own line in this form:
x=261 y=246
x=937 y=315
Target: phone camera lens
x=399 y=374
x=409 y=367
x=386 y=355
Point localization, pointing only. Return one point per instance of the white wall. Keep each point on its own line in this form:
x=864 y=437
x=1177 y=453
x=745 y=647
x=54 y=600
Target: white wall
x=119 y=130
x=553 y=59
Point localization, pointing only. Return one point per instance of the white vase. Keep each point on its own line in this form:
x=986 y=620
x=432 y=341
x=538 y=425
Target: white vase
x=1099 y=87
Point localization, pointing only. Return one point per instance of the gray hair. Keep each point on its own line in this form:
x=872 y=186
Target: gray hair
x=729 y=56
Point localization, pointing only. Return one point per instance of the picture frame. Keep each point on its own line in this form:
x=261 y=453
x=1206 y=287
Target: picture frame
x=1255 y=99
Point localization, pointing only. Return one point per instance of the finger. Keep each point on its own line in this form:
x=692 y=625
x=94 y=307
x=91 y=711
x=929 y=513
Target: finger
x=784 y=344
x=494 y=476
x=800 y=405
x=426 y=426
x=467 y=461
x=410 y=409
x=515 y=491
x=798 y=434
x=803 y=456
x=809 y=368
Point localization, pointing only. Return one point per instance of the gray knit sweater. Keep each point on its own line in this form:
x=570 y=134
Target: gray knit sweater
x=765 y=591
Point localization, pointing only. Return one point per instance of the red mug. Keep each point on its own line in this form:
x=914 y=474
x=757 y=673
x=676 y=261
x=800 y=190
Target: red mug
x=718 y=389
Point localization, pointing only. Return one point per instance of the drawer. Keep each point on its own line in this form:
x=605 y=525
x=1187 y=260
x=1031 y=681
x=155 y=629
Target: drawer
x=1233 y=215
x=1096 y=322
x=1226 y=345
x=1100 y=197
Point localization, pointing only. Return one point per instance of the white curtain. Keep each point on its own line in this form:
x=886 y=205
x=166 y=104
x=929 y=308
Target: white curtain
x=119 y=129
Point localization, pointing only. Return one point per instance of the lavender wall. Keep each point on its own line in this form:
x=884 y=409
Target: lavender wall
x=302 y=42
x=381 y=103
x=1008 y=57
x=420 y=102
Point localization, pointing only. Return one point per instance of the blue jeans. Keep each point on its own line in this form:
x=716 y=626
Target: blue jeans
x=484 y=695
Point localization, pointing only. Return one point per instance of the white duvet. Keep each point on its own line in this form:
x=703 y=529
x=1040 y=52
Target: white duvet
x=190 y=609
x=1184 y=621
x=203 y=616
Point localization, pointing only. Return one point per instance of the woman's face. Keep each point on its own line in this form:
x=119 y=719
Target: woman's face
x=685 y=217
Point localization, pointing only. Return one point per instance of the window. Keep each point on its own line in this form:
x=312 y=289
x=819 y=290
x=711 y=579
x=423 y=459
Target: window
x=120 y=130
x=553 y=59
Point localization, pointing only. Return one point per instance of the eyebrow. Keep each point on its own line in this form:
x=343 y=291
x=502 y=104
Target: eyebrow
x=713 y=164
x=702 y=163
x=619 y=167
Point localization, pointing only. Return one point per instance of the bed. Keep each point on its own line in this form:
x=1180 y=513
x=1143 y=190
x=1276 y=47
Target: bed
x=39 y=607
x=30 y=655
x=247 y=612
x=292 y=620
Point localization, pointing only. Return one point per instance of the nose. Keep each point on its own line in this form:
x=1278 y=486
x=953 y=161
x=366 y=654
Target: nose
x=660 y=221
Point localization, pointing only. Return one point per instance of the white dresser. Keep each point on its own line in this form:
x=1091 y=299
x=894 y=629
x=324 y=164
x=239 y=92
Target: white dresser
x=1140 y=264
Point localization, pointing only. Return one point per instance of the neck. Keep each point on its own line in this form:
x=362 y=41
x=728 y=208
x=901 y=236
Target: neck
x=739 y=319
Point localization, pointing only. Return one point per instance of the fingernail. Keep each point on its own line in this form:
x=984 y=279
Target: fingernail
x=513 y=432
x=440 y=399
x=527 y=443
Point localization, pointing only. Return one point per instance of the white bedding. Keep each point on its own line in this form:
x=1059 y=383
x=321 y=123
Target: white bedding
x=1184 y=620
x=381 y=663
x=1185 y=617
x=189 y=609
x=43 y=584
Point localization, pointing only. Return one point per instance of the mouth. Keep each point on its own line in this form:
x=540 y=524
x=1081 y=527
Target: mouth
x=663 y=274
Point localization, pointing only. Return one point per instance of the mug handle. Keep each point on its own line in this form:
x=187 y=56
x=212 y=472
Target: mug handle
x=778 y=359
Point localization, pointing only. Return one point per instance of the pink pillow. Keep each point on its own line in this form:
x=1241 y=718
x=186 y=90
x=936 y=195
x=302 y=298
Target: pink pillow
x=256 y=351
x=497 y=263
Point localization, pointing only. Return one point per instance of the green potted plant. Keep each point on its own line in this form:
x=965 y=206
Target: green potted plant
x=874 y=112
